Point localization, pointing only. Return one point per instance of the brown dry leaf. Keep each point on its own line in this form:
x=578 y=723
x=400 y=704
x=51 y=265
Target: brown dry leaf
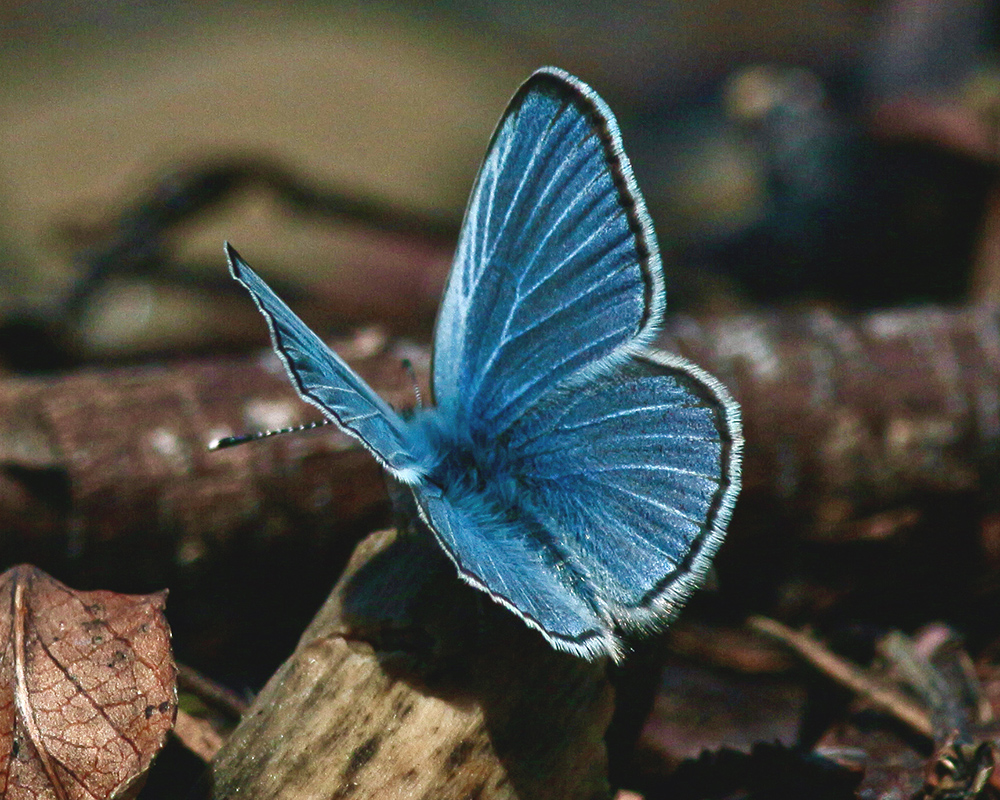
x=87 y=689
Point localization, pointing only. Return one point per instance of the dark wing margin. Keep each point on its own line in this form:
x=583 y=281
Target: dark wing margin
x=557 y=271
x=325 y=380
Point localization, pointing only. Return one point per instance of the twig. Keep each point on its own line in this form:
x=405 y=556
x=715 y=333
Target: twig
x=210 y=692
x=843 y=672
x=197 y=735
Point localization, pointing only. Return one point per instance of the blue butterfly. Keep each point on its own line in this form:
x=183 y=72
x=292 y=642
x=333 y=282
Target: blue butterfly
x=578 y=477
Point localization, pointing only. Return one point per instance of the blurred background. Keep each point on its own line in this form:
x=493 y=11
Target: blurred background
x=838 y=151
x=835 y=154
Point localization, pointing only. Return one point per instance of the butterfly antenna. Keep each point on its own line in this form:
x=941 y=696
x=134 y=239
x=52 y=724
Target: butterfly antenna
x=232 y=441
x=408 y=366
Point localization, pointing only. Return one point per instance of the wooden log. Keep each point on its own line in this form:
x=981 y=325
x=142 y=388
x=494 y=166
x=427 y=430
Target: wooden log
x=848 y=421
x=410 y=684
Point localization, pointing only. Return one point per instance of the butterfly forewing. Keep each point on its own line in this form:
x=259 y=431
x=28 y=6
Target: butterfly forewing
x=556 y=269
x=324 y=379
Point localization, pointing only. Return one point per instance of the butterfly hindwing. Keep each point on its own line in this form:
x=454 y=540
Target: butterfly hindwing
x=624 y=485
x=635 y=474
x=556 y=267
x=324 y=379
x=511 y=559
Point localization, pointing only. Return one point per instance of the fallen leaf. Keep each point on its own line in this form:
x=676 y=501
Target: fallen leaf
x=87 y=689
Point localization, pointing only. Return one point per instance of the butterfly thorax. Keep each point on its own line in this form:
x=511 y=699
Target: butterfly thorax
x=466 y=469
